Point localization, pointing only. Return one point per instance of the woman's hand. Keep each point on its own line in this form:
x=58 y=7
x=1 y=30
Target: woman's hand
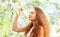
x=19 y=10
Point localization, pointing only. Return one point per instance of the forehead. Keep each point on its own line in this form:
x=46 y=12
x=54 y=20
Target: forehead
x=31 y=10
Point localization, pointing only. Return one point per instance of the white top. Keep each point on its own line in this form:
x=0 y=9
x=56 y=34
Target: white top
x=28 y=34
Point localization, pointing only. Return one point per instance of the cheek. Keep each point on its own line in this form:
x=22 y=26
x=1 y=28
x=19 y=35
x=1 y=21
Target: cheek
x=33 y=16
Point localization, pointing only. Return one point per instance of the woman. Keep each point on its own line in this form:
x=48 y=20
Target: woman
x=38 y=27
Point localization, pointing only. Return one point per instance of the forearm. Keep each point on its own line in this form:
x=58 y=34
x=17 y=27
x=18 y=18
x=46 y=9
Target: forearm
x=15 y=23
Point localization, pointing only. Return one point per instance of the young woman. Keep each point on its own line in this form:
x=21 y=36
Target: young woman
x=38 y=27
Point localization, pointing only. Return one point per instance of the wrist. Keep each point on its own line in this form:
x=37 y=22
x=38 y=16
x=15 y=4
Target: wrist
x=18 y=13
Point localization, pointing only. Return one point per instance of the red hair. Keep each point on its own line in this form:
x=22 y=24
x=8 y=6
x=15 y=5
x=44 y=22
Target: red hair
x=40 y=21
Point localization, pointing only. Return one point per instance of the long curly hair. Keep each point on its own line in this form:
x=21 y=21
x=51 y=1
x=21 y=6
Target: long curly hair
x=40 y=21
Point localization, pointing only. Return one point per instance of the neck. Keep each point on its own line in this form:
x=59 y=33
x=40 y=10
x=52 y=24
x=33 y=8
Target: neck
x=34 y=22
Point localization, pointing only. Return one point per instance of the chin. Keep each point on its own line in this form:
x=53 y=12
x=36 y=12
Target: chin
x=31 y=19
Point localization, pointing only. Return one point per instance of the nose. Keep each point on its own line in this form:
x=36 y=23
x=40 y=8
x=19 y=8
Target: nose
x=29 y=15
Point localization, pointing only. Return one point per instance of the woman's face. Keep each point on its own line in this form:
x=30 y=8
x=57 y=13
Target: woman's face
x=32 y=15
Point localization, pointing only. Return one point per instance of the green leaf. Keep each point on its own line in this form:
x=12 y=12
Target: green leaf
x=58 y=29
x=15 y=0
x=19 y=4
x=57 y=6
x=37 y=3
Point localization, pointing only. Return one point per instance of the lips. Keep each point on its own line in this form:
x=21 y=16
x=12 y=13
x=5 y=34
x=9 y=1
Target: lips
x=29 y=16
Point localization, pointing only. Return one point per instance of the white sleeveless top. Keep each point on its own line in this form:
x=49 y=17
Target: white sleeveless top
x=28 y=34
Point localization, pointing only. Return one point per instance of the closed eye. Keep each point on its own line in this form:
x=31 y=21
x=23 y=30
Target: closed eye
x=32 y=13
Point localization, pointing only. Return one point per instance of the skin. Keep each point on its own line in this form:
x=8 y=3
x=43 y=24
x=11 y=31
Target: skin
x=32 y=17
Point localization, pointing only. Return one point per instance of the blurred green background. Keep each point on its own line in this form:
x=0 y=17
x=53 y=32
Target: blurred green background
x=8 y=9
